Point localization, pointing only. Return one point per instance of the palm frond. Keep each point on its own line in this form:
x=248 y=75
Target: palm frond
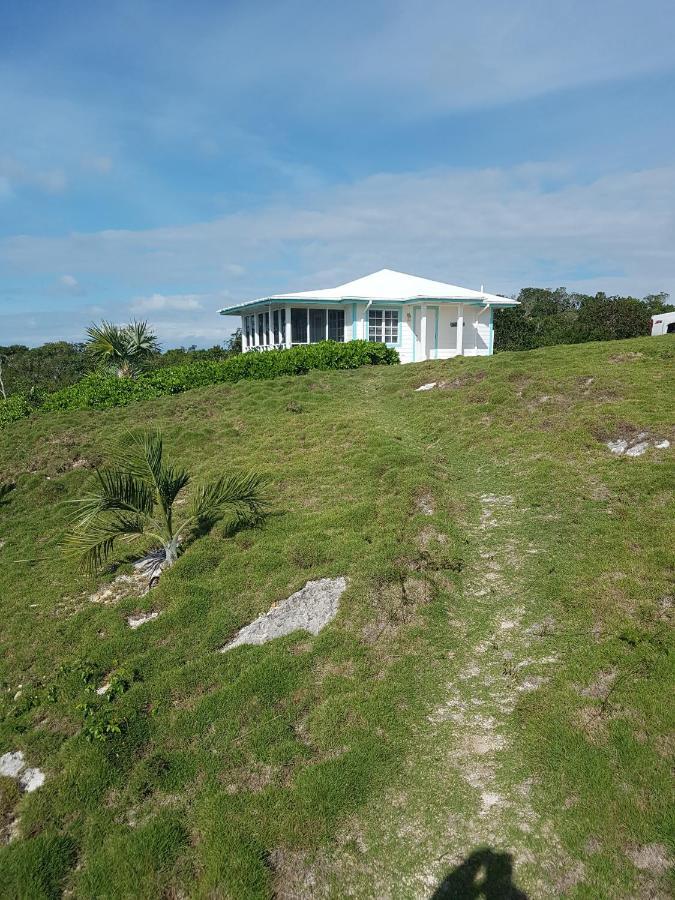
x=95 y=544
x=140 y=455
x=106 y=342
x=6 y=487
x=243 y=495
x=169 y=481
x=115 y=491
x=125 y=348
x=141 y=341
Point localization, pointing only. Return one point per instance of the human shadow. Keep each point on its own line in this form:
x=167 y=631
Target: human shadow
x=484 y=874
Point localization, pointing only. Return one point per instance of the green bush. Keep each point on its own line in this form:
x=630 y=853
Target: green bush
x=97 y=391
x=16 y=407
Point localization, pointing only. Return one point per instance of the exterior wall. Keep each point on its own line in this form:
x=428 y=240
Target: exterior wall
x=439 y=341
x=448 y=315
x=476 y=332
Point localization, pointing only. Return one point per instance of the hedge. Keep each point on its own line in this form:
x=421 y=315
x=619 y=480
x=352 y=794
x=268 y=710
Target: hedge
x=97 y=391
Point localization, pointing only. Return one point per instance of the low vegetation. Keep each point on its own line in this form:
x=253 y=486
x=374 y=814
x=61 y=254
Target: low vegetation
x=100 y=391
x=493 y=696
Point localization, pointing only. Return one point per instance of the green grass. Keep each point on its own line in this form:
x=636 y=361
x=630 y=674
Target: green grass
x=318 y=765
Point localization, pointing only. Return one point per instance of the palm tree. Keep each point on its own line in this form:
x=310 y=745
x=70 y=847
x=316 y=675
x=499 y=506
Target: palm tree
x=122 y=349
x=135 y=500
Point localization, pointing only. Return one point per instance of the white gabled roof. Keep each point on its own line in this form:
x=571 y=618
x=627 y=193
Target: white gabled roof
x=387 y=285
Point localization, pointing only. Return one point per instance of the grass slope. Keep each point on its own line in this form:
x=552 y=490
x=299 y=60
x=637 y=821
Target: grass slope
x=495 y=691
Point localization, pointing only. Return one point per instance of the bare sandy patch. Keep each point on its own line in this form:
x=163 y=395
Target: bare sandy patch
x=309 y=609
x=653 y=858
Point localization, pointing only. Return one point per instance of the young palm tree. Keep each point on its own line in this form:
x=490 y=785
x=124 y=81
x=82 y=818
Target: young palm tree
x=122 y=349
x=135 y=499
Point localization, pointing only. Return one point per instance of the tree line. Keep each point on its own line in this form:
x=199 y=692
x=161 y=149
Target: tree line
x=58 y=364
x=547 y=317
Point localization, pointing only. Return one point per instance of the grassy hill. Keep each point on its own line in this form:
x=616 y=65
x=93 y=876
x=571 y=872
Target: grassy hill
x=493 y=700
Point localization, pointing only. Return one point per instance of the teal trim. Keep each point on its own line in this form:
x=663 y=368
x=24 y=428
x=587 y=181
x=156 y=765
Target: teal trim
x=390 y=304
x=265 y=304
x=491 y=338
x=353 y=321
x=414 y=329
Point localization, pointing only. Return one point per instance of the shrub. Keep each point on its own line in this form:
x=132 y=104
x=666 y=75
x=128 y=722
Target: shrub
x=15 y=407
x=100 y=391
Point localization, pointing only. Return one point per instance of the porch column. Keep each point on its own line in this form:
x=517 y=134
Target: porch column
x=460 y=328
x=287 y=336
x=423 y=331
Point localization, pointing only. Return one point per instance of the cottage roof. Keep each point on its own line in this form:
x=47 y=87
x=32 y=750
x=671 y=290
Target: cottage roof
x=385 y=286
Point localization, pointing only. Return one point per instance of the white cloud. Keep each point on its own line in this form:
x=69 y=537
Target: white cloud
x=162 y=301
x=503 y=227
x=70 y=284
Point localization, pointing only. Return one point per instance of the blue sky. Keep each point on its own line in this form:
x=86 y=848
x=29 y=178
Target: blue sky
x=159 y=160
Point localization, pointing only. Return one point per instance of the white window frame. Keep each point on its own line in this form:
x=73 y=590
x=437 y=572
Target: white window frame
x=382 y=328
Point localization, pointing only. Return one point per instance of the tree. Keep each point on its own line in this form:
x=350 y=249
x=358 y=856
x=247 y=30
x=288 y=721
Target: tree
x=603 y=318
x=45 y=368
x=135 y=500
x=122 y=349
x=3 y=359
x=548 y=317
x=233 y=345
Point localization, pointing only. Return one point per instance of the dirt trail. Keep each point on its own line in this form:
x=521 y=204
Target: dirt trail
x=463 y=792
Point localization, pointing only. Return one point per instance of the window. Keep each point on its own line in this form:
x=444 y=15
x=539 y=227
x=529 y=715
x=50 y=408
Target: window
x=383 y=326
x=298 y=325
x=247 y=330
x=275 y=318
x=260 y=328
x=282 y=325
x=336 y=324
x=317 y=325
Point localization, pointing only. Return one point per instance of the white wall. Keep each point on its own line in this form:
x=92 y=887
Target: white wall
x=661 y=322
x=441 y=330
x=476 y=331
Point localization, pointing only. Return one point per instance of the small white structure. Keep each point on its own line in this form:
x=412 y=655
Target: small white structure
x=421 y=319
x=663 y=323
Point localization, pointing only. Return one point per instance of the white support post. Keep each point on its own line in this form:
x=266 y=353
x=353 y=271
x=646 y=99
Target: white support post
x=460 y=329
x=287 y=336
x=423 y=331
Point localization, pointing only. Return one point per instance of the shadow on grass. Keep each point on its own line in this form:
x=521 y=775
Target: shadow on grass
x=484 y=874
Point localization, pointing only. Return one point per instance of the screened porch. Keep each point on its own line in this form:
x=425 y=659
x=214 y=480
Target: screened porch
x=282 y=327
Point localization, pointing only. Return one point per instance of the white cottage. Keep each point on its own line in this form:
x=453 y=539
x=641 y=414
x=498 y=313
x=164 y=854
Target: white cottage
x=421 y=319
